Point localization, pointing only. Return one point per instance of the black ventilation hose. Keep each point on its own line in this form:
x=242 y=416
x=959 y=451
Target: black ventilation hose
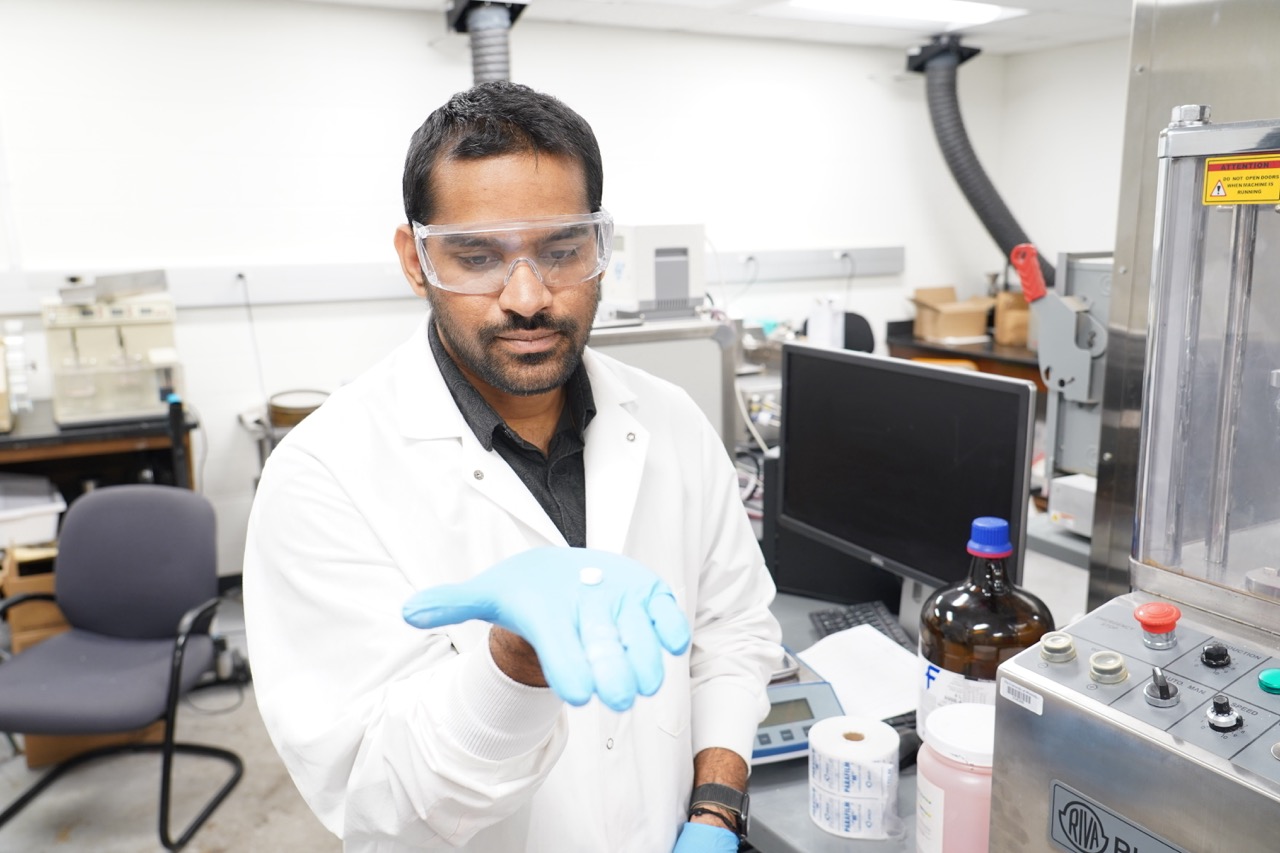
x=944 y=110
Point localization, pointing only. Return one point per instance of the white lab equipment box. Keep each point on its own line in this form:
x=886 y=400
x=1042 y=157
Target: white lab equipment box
x=1071 y=500
x=29 y=510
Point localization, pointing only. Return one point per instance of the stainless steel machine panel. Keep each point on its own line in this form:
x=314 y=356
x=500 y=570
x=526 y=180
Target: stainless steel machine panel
x=1091 y=767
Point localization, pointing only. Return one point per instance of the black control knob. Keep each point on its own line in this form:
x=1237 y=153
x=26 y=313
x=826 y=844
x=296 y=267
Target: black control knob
x=1160 y=693
x=1222 y=717
x=1215 y=655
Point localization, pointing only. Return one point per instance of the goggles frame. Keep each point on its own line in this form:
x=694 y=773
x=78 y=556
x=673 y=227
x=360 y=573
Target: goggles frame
x=485 y=283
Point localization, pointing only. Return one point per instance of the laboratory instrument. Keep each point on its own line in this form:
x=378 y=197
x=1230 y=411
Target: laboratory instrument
x=112 y=358
x=1071 y=345
x=1153 y=723
x=793 y=709
x=656 y=271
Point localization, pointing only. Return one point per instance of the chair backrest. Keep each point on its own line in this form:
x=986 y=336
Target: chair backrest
x=857 y=333
x=132 y=559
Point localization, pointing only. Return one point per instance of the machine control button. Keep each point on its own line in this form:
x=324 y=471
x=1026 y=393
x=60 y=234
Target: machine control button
x=1269 y=681
x=1107 y=667
x=1059 y=647
x=1222 y=717
x=1158 y=620
x=1275 y=751
x=1160 y=692
x=1215 y=655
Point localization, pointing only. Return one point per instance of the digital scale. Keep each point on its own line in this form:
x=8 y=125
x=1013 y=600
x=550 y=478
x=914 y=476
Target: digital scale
x=794 y=708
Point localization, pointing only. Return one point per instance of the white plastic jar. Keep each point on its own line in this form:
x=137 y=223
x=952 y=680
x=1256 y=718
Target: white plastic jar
x=953 y=780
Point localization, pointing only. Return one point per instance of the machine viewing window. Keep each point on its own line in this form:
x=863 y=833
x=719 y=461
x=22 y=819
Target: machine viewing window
x=890 y=460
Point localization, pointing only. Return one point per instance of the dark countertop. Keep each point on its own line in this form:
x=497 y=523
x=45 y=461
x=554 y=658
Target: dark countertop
x=36 y=428
x=986 y=349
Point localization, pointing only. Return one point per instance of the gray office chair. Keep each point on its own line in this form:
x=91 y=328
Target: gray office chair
x=136 y=579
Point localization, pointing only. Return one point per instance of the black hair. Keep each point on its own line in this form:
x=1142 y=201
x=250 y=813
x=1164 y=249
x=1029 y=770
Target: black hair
x=493 y=119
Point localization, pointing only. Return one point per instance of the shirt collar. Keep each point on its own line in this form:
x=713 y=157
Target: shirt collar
x=483 y=420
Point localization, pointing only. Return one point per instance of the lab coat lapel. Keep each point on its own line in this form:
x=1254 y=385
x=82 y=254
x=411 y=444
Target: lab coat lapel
x=425 y=410
x=489 y=474
x=614 y=459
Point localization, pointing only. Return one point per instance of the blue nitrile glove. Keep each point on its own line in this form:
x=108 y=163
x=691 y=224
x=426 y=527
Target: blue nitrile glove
x=705 y=838
x=598 y=621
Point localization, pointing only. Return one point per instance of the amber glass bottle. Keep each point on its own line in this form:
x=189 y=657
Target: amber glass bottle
x=970 y=628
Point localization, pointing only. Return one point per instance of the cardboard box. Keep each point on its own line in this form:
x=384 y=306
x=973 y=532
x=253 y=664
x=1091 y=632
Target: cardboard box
x=942 y=319
x=1012 y=316
x=30 y=570
x=43 y=750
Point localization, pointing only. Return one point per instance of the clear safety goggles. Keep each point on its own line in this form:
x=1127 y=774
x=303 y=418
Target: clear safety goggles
x=481 y=257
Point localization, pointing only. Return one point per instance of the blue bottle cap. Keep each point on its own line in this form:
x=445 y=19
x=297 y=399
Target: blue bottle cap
x=989 y=537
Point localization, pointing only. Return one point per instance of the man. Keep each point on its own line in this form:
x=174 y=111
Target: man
x=586 y=639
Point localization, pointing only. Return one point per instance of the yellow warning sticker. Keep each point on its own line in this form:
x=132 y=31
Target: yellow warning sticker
x=1252 y=179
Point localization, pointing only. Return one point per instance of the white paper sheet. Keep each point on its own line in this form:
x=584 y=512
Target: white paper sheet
x=871 y=674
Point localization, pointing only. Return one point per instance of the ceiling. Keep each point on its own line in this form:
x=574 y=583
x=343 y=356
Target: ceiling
x=1048 y=23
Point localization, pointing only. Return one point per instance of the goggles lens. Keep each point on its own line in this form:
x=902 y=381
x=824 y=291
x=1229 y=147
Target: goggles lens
x=481 y=257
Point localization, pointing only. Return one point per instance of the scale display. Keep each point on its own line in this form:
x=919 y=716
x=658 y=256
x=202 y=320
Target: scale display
x=793 y=709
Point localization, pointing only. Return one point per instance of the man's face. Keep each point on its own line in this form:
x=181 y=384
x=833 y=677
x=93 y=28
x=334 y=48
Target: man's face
x=528 y=338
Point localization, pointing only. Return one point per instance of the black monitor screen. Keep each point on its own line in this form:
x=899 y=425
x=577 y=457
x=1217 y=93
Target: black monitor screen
x=890 y=460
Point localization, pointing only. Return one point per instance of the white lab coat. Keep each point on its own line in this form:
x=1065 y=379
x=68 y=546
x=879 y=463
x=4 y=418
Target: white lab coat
x=403 y=739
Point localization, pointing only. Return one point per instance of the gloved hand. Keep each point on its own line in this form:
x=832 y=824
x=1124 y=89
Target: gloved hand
x=598 y=621
x=705 y=838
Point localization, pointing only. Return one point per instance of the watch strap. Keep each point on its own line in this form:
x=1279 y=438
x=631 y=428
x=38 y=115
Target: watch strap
x=724 y=796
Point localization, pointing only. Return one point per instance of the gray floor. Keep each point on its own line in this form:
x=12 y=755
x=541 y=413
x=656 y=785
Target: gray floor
x=111 y=806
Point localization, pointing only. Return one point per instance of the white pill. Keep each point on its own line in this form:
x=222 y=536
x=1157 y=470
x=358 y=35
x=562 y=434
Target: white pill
x=591 y=575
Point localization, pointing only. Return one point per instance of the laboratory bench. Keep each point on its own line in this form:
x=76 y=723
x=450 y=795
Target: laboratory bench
x=780 y=821
x=77 y=458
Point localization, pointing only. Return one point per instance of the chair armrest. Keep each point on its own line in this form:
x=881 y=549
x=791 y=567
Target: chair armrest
x=5 y=604
x=198 y=618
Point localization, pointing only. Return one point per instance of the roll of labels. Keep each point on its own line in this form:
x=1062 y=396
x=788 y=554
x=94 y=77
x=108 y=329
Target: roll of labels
x=853 y=778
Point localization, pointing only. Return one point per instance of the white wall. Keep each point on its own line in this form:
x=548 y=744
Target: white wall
x=211 y=134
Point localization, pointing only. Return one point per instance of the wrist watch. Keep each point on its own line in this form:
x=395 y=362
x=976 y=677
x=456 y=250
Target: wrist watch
x=730 y=799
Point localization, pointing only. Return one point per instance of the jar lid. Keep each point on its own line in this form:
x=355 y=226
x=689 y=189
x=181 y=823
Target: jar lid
x=963 y=732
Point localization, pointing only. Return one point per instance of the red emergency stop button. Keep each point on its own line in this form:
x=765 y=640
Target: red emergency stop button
x=1158 y=620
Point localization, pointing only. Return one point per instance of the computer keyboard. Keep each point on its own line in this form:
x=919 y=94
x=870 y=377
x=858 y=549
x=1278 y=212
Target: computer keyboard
x=878 y=616
x=873 y=613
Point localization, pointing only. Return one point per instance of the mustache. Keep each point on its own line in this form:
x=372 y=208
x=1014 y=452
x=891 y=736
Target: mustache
x=539 y=321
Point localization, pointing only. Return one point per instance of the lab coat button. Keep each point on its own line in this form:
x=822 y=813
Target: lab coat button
x=608 y=744
x=479 y=475
x=631 y=436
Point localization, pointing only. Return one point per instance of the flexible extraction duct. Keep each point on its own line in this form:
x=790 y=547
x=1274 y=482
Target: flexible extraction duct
x=938 y=61
x=490 y=59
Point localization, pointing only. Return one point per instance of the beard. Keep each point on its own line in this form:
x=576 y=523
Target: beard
x=479 y=352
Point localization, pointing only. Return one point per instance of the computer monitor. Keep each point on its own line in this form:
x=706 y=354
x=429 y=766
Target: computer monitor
x=889 y=461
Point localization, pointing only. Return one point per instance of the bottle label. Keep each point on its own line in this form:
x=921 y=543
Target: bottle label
x=940 y=687
x=930 y=815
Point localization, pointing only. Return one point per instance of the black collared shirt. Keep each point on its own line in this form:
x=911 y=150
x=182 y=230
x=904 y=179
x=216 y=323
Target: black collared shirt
x=556 y=479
